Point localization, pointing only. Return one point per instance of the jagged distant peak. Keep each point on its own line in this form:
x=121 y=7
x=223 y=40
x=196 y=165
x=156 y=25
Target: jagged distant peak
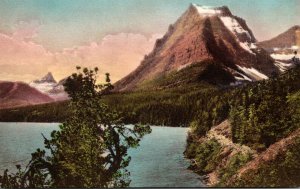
x=48 y=78
x=49 y=86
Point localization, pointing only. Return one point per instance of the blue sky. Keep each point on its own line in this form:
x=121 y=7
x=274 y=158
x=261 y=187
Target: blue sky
x=68 y=23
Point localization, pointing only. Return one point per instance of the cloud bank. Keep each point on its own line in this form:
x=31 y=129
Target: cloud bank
x=21 y=59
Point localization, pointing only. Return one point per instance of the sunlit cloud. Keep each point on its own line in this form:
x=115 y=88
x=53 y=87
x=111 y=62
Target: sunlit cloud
x=22 y=59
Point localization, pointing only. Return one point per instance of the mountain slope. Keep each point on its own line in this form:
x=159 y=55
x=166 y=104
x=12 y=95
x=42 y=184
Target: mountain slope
x=204 y=34
x=13 y=94
x=287 y=39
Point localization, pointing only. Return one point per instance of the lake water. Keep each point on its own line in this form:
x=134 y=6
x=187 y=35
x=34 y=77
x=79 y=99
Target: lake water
x=157 y=162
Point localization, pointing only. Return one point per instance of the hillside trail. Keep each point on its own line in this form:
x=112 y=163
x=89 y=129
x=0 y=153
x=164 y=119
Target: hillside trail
x=222 y=134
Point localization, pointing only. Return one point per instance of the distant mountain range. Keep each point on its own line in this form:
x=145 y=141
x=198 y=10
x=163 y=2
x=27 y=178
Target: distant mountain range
x=289 y=39
x=211 y=38
x=283 y=47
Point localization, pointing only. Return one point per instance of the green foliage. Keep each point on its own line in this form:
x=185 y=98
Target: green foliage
x=172 y=107
x=260 y=113
x=266 y=111
x=200 y=74
x=293 y=101
x=235 y=162
x=54 y=112
x=206 y=155
x=283 y=171
x=89 y=150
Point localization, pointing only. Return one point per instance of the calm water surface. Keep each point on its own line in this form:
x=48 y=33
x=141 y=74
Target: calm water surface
x=157 y=162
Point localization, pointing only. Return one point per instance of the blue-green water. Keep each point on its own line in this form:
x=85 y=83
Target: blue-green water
x=157 y=162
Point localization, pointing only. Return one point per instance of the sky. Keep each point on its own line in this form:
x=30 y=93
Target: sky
x=38 y=36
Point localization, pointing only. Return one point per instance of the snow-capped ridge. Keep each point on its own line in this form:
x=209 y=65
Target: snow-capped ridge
x=206 y=10
x=211 y=11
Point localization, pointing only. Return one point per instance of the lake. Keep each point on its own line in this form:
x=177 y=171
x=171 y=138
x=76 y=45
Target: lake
x=157 y=162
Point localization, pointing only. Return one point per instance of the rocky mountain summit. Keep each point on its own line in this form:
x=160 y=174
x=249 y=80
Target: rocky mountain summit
x=205 y=36
x=49 y=86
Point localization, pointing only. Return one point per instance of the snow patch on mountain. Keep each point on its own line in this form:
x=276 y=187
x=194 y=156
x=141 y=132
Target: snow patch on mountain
x=253 y=46
x=247 y=47
x=233 y=25
x=43 y=87
x=236 y=29
x=276 y=49
x=283 y=66
x=206 y=10
x=282 y=56
x=242 y=77
x=254 y=73
x=293 y=48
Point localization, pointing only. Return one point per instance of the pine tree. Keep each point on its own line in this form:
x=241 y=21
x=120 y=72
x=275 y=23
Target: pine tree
x=89 y=150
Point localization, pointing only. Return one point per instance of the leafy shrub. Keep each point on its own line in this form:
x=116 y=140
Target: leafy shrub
x=206 y=155
x=235 y=162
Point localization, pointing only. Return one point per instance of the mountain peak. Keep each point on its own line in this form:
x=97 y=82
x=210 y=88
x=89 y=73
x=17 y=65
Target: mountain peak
x=211 y=11
x=206 y=10
x=296 y=27
x=213 y=40
x=48 y=78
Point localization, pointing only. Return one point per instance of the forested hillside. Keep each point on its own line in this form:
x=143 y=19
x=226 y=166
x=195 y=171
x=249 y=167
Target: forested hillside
x=175 y=100
x=262 y=134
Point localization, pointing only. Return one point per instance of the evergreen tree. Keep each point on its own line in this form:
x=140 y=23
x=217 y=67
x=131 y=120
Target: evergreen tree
x=89 y=150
